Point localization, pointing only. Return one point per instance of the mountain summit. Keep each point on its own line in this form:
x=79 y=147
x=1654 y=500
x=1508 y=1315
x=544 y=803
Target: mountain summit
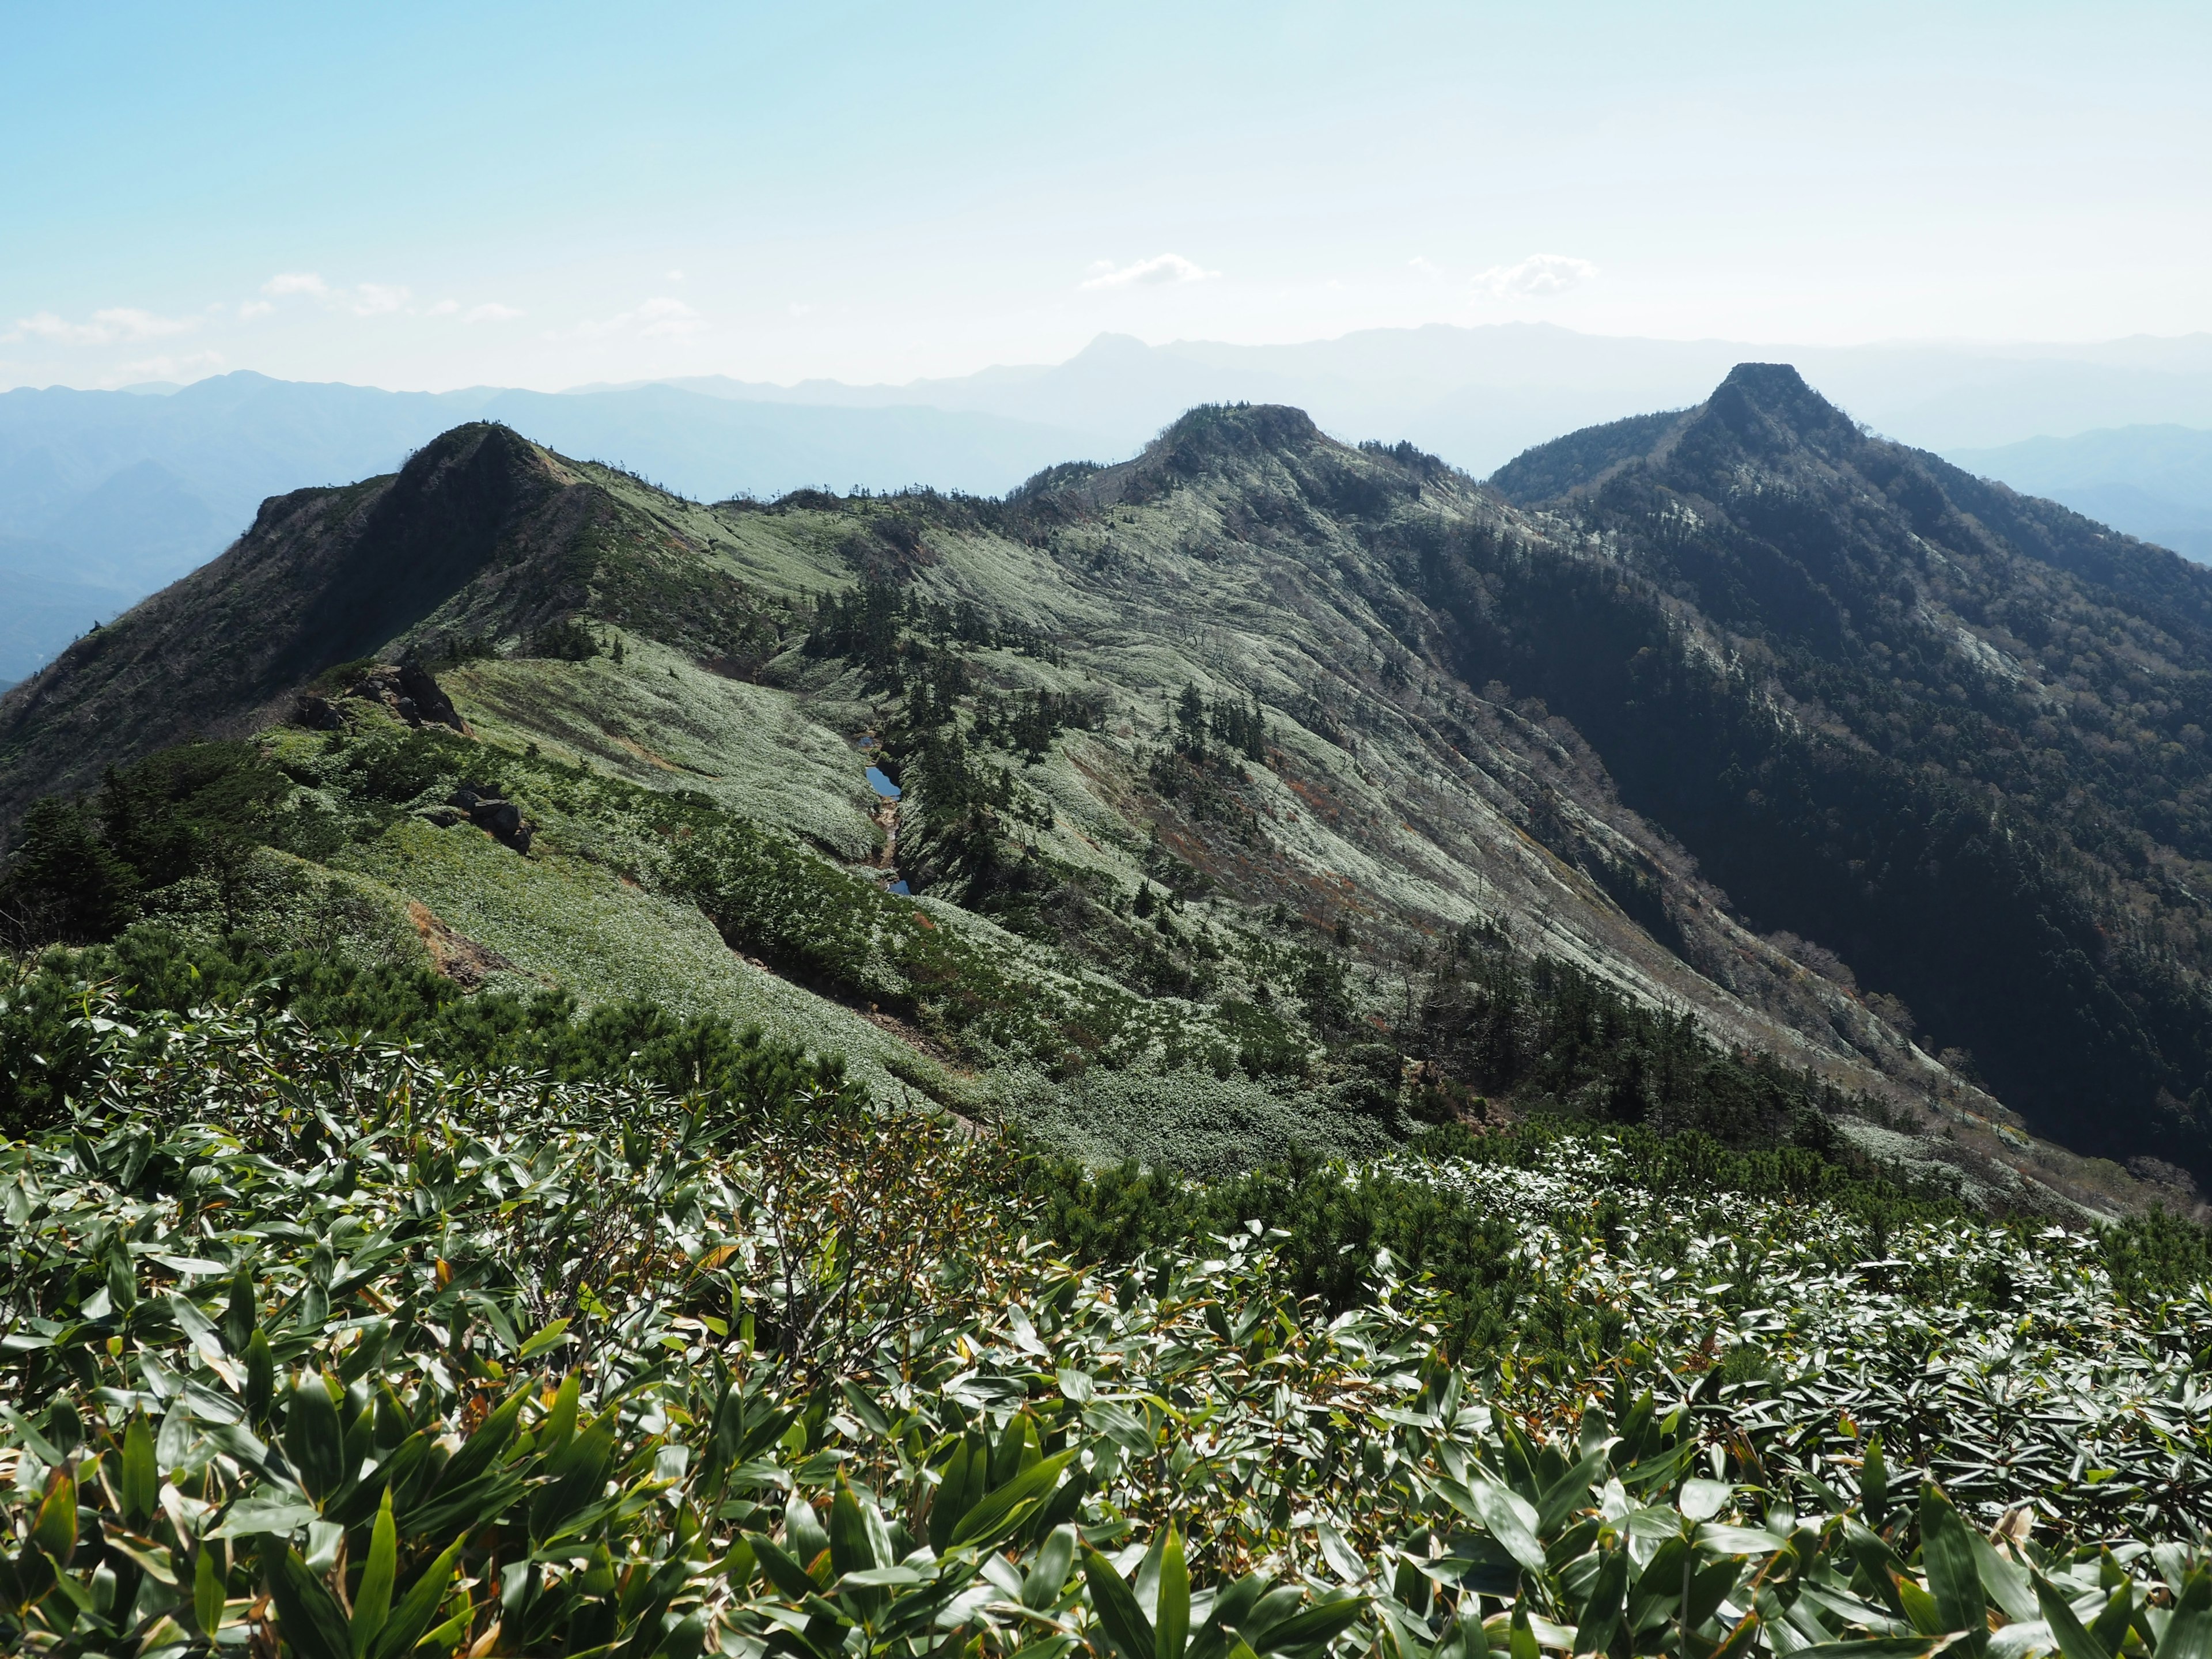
x=1723 y=738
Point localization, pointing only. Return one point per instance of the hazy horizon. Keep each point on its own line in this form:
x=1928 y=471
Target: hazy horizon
x=1960 y=346
x=423 y=199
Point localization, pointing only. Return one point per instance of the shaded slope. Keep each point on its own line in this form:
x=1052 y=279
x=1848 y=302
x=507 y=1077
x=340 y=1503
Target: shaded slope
x=322 y=577
x=1954 y=734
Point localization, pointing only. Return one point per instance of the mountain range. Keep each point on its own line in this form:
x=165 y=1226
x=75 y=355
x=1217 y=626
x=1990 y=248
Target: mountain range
x=2153 y=482
x=1726 y=766
x=105 y=496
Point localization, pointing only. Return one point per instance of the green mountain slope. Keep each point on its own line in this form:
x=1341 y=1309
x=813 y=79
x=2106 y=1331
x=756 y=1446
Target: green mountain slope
x=1954 y=734
x=1259 y=793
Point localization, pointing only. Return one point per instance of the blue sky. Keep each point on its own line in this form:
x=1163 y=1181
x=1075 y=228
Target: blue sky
x=430 y=196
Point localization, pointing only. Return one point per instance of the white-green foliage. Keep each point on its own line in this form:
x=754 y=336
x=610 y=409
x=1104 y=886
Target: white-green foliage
x=660 y=719
x=574 y=922
x=293 y=904
x=319 y=1351
x=1186 y=1118
x=2006 y=1366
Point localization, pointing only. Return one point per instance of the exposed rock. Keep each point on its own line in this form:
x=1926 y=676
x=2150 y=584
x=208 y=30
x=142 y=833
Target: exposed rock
x=410 y=693
x=317 y=715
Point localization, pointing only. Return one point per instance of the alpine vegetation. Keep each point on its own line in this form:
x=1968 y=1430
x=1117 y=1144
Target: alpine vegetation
x=316 y=1346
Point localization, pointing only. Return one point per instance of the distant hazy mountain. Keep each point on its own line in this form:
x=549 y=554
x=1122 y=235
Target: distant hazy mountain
x=1477 y=397
x=2155 y=481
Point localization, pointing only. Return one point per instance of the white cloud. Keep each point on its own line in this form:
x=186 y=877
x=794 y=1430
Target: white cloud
x=675 y=276
x=663 y=315
x=490 y=312
x=364 y=299
x=800 y=309
x=255 y=308
x=375 y=300
x=166 y=368
x=443 y=308
x=106 y=327
x=659 y=317
x=1426 y=267
x=1161 y=269
x=1538 y=277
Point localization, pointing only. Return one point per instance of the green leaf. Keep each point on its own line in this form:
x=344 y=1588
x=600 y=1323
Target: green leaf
x=1880 y=1647
x=404 y=1628
x=785 y=1573
x=206 y=1591
x=1701 y=1500
x=1495 y=1507
x=142 y=1476
x=1600 y=1617
x=560 y=1421
x=1922 y=1608
x=2006 y=1581
x=555 y=1332
x=241 y=1319
x=952 y=1501
x=1232 y=1606
x=1947 y=1554
x=372 y=1602
x=739 y=1566
x=574 y=1476
x=2189 y=1630
x=313 y=1442
x=851 y=1550
x=54 y=1532
x=1324 y=1621
x=1003 y=1510
x=1737 y=1541
x=2074 y=1641
x=482 y=1449
x=1739 y=1641
x=260 y=1376
x=803 y=1532
x=1048 y=1574
x=2111 y=1628
x=1006 y=1460
x=314 y=1625
x=1119 y=1615
x=1171 y=1611
x=1567 y=1494
x=1874 y=1483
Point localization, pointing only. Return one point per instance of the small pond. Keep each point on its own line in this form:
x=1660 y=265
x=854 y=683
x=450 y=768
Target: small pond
x=882 y=785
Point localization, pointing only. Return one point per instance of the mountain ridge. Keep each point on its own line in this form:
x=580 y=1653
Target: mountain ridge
x=1647 y=709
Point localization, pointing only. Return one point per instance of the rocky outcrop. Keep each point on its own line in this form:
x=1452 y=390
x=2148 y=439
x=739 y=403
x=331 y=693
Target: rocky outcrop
x=503 y=820
x=407 y=693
